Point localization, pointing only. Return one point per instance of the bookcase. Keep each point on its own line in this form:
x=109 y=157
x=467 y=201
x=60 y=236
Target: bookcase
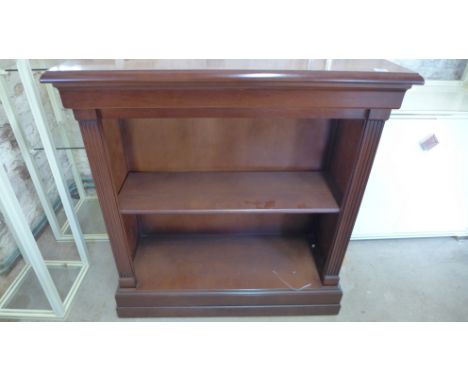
x=230 y=187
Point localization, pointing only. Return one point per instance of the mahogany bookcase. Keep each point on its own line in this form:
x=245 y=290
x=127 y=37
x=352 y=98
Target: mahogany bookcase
x=230 y=187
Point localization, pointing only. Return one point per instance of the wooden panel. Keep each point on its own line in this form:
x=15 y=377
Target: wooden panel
x=318 y=113
x=227 y=223
x=346 y=146
x=220 y=192
x=216 y=311
x=335 y=96
x=217 y=144
x=169 y=297
x=112 y=136
x=130 y=223
x=225 y=262
x=324 y=232
x=335 y=249
x=122 y=244
x=232 y=72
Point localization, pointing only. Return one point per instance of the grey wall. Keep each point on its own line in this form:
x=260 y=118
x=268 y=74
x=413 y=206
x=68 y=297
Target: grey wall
x=436 y=69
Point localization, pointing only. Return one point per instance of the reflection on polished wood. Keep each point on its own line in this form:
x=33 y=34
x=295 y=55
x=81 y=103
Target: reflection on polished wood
x=233 y=64
x=225 y=262
x=223 y=192
x=197 y=73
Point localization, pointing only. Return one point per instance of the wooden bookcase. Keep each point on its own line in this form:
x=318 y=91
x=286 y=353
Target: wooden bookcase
x=230 y=187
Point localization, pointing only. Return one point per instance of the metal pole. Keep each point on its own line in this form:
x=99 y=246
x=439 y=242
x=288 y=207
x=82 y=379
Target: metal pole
x=32 y=93
x=18 y=224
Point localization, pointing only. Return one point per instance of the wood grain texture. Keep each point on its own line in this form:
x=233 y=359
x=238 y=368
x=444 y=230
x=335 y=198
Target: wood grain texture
x=225 y=274
x=346 y=146
x=277 y=100
x=122 y=247
x=225 y=263
x=229 y=73
x=231 y=311
x=224 y=192
x=232 y=223
x=351 y=201
x=317 y=113
x=225 y=144
x=112 y=135
x=191 y=298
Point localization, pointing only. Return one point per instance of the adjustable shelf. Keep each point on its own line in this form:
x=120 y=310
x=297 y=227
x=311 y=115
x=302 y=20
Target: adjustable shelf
x=226 y=192
x=215 y=177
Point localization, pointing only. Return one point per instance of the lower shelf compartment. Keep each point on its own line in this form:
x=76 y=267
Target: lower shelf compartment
x=218 y=262
x=211 y=275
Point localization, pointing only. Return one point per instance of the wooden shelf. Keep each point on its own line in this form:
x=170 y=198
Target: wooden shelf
x=218 y=262
x=224 y=192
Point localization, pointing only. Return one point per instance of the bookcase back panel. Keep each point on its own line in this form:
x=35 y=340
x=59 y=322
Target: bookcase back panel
x=225 y=144
x=226 y=223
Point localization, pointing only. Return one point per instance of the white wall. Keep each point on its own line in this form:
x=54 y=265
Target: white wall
x=417 y=193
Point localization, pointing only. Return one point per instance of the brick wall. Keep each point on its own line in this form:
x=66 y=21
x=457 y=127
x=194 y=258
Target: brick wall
x=11 y=158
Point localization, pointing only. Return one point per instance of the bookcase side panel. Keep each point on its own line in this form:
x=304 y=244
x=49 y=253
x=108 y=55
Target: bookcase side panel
x=121 y=242
x=353 y=154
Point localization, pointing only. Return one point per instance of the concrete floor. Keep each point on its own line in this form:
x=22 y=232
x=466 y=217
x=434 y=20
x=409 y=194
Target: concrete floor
x=89 y=216
x=382 y=280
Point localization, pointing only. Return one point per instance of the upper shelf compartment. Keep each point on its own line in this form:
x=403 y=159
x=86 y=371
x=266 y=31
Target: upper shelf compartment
x=225 y=192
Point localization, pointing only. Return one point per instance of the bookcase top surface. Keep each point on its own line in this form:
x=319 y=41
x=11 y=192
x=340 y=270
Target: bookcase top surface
x=234 y=71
